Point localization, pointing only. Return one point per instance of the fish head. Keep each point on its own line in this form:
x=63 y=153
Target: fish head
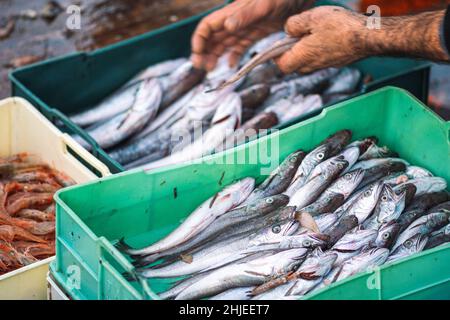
x=438 y=219
x=293 y=259
x=351 y=155
x=353 y=241
x=390 y=204
x=237 y=192
x=409 y=189
x=348 y=182
x=149 y=95
x=414 y=244
x=311 y=240
x=374 y=256
x=268 y=204
x=415 y=172
x=293 y=160
x=339 y=140
x=387 y=234
x=275 y=233
x=372 y=193
x=333 y=166
x=317 y=264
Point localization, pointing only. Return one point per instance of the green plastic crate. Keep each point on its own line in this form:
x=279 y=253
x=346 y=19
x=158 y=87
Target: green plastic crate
x=70 y=84
x=145 y=206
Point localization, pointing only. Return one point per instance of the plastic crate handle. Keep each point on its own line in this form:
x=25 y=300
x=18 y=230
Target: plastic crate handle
x=85 y=155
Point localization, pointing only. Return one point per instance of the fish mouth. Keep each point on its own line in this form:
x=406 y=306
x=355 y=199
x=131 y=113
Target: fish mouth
x=291 y=228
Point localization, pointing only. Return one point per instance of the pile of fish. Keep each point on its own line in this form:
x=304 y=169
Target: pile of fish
x=320 y=217
x=172 y=113
x=27 y=210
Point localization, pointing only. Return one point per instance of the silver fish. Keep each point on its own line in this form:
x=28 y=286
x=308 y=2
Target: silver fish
x=312 y=189
x=262 y=45
x=222 y=253
x=226 y=119
x=376 y=152
x=144 y=108
x=344 y=185
x=364 y=204
x=204 y=215
x=439 y=237
x=424 y=226
x=428 y=185
x=224 y=224
x=389 y=207
x=365 y=260
x=409 y=247
x=351 y=244
x=328 y=148
x=346 y=81
x=268 y=54
x=387 y=234
x=415 y=172
x=279 y=179
x=367 y=164
x=245 y=274
x=349 y=154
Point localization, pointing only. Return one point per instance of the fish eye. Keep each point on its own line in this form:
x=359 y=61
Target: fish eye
x=269 y=200
x=384 y=198
x=340 y=166
x=306 y=243
x=347 y=176
x=408 y=244
x=367 y=193
x=385 y=235
x=293 y=159
x=276 y=229
x=320 y=155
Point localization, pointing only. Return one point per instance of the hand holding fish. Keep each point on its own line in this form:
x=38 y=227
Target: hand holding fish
x=237 y=26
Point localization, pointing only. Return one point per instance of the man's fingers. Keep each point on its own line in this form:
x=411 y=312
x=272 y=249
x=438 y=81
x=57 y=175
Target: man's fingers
x=301 y=54
x=298 y=25
x=246 y=14
x=209 y=25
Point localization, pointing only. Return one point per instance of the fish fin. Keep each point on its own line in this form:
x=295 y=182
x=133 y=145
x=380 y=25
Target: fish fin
x=307 y=221
x=186 y=258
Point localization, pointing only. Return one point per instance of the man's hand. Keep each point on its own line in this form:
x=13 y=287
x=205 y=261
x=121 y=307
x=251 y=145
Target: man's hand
x=237 y=26
x=333 y=37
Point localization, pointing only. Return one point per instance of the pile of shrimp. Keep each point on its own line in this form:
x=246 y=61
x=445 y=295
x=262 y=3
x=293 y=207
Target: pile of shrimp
x=27 y=210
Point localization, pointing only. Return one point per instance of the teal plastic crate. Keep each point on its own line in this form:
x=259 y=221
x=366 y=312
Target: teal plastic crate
x=66 y=85
x=144 y=206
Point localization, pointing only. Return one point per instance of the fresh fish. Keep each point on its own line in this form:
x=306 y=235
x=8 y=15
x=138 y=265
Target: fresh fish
x=262 y=45
x=316 y=265
x=365 y=260
x=428 y=185
x=160 y=69
x=408 y=247
x=367 y=164
x=223 y=224
x=349 y=154
x=377 y=172
x=244 y=274
x=279 y=179
x=387 y=234
x=122 y=126
x=410 y=191
x=424 y=226
x=253 y=96
x=420 y=206
x=343 y=226
x=222 y=253
x=203 y=216
x=325 y=221
x=439 y=237
x=314 y=187
x=179 y=82
x=364 y=204
x=287 y=110
x=268 y=54
x=324 y=205
x=389 y=207
x=226 y=119
x=415 y=172
x=351 y=244
x=251 y=128
x=346 y=81
x=376 y=152
x=266 y=73
x=328 y=148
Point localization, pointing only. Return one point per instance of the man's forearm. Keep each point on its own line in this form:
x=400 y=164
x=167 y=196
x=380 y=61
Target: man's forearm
x=418 y=36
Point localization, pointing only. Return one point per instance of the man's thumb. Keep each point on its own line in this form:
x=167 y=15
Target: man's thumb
x=250 y=12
